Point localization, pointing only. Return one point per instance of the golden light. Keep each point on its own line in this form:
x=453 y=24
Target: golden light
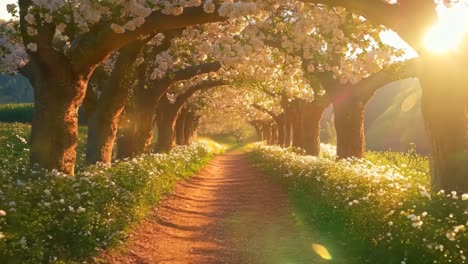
x=451 y=27
x=321 y=251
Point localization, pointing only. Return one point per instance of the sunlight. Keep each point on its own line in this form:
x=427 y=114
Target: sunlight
x=391 y=38
x=450 y=29
x=321 y=251
x=3 y=10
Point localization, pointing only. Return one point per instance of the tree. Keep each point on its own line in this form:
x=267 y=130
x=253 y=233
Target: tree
x=60 y=75
x=168 y=111
x=340 y=50
x=444 y=110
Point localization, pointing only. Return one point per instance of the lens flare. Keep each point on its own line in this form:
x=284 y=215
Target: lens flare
x=448 y=33
x=321 y=251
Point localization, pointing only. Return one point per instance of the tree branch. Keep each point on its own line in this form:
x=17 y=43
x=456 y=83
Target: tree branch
x=263 y=109
x=399 y=71
x=94 y=46
x=410 y=19
x=181 y=99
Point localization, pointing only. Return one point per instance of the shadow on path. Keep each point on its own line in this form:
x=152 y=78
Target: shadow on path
x=227 y=213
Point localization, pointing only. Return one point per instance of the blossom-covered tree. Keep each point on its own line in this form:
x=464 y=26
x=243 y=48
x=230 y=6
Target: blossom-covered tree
x=91 y=31
x=442 y=80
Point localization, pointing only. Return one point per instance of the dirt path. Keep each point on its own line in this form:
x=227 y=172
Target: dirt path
x=227 y=213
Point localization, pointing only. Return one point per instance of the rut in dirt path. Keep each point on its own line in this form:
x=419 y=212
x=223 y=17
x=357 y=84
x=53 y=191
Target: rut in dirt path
x=227 y=213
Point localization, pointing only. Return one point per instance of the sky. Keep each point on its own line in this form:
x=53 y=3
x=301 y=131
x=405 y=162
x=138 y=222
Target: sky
x=3 y=12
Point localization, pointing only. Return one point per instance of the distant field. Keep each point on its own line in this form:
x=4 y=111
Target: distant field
x=16 y=113
x=23 y=113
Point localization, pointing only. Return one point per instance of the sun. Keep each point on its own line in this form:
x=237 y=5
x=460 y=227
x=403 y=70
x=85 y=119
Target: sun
x=449 y=31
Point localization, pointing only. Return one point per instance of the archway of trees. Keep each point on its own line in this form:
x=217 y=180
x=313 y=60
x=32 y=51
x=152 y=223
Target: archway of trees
x=277 y=65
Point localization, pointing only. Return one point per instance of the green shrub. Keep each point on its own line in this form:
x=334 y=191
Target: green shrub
x=374 y=210
x=48 y=217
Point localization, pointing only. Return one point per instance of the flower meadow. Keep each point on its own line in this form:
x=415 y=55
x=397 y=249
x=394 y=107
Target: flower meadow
x=48 y=217
x=379 y=209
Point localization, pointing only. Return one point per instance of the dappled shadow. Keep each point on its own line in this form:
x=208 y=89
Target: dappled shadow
x=227 y=213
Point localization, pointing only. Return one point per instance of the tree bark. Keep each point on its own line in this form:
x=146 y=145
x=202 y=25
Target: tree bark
x=287 y=127
x=168 y=112
x=258 y=129
x=137 y=134
x=266 y=131
x=280 y=123
x=137 y=127
x=297 y=125
x=191 y=121
x=349 y=126
x=58 y=93
x=193 y=132
x=444 y=106
x=274 y=134
x=180 y=127
x=104 y=122
x=166 y=117
x=311 y=118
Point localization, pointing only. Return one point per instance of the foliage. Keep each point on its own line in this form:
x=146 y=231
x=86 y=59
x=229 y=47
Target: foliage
x=378 y=207
x=49 y=217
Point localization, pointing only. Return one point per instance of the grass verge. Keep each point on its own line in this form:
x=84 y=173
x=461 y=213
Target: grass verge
x=47 y=217
x=374 y=210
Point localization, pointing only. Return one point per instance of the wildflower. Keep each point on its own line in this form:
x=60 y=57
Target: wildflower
x=23 y=242
x=2 y=213
x=464 y=196
x=450 y=235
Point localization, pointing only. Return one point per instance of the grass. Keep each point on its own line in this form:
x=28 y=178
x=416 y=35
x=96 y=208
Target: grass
x=23 y=113
x=20 y=113
x=375 y=210
x=47 y=217
x=229 y=142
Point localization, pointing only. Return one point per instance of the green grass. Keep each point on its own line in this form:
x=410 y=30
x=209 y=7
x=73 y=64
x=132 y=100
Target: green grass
x=52 y=218
x=375 y=210
x=23 y=113
x=228 y=141
x=20 y=113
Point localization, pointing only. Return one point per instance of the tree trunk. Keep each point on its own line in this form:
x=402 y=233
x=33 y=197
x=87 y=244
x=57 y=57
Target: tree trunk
x=266 y=131
x=274 y=134
x=287 y=127
x=58 y=93
x=311 y=117
x=444 y=105
x=349 y=126
x=166 y=117
x=280 y=124
x=190 y=120
x=137 y=128
x=258 y=130
x=104 y=122
x=180 y=127
x=297 y=123
x=196 y=122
